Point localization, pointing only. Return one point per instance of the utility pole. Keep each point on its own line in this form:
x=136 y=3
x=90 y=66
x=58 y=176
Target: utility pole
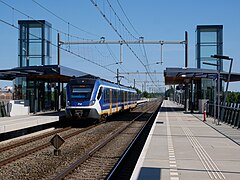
x=118 y=76
x=58 y=49
x=186 y=65
x=186 y=49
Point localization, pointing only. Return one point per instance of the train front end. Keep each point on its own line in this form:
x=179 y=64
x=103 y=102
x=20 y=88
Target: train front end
x=80 y=100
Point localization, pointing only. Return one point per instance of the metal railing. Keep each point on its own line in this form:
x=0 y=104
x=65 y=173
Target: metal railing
x=229 y=113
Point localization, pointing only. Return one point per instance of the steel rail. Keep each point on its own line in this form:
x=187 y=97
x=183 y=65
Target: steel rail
x=32 y=139
x=33 y=150
x=101 y=144
x=118 y=164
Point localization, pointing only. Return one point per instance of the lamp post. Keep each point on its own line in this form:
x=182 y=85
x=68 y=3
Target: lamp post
x=229 y=75
x=219 y=58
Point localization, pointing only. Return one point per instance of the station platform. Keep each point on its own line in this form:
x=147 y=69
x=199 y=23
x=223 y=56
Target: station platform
x=15 y=123
x=181 y=146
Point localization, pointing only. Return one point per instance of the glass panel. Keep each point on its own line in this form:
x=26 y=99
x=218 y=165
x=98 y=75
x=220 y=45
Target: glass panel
x=24 y=61
x=35 y=61
x=47 y=95
x=207 y=51
x=208 y=89
x=24 y=32
x=47 y=48
x=19 y=88
x=83 y=93
x=47 y=60
x=35 y=33
x=208 y=37
x=47 y=33
x=35 y=49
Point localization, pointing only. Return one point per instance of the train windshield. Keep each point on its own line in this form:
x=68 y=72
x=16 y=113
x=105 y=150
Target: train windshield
x=81 y=92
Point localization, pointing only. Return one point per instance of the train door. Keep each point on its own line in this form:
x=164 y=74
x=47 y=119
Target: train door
x=110 y=101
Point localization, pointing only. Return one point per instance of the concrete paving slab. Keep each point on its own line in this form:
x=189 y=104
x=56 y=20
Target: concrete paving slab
x=9 y=124
x=181 y=146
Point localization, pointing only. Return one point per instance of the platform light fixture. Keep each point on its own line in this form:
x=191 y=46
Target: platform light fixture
x=220 y=57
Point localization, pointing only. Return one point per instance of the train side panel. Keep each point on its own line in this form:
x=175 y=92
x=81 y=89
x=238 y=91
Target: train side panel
x=97 y=98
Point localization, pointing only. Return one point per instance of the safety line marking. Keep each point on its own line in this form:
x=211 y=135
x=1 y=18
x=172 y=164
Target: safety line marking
x=173 y=172
x=207 y=162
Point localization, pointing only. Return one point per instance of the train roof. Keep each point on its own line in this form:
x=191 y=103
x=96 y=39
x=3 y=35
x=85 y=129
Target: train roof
x=109 y=83
x=105 y=82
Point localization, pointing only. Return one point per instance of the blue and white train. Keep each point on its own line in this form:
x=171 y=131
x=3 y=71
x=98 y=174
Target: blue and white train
x=97 y=99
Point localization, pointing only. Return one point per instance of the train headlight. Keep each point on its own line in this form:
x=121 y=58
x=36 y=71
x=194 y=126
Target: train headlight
x=68 y=103
x=92 y=103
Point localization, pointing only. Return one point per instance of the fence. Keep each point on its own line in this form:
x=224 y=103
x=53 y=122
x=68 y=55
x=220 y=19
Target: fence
x=229 y=113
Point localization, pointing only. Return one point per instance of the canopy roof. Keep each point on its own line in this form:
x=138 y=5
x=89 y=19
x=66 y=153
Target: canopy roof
x=54 y=73
x=185 y=75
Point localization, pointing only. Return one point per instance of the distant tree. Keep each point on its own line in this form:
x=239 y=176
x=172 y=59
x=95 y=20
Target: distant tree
x=238 y=97
x=138 y=91
x=169 y=92
x=151 y=95
x=233 y=97
x=145 y=94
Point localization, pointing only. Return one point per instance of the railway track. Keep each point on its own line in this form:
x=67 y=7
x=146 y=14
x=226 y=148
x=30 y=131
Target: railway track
x=42 y=164
x=25 y=153
x=32 y=139
x=101 y=158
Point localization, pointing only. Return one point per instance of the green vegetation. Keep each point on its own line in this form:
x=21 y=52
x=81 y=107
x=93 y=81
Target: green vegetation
x=233 y=97
x=151 y=95
x=148 y=95
x=169 y=92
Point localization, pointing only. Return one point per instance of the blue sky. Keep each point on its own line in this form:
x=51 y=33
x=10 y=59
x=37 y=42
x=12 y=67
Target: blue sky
x=152 y=19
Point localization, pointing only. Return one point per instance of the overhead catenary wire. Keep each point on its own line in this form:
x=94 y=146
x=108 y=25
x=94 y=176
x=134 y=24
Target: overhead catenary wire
x=128 y=18
x=121 y=37
x=57 y=30
x=145 y=53
x=67 y=34
x=67 y=22
x=117 y=61
x=29 y=17
x=120 y=20
x=66 y=50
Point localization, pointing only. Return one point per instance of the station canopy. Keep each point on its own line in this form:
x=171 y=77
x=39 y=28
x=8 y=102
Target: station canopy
x=185 y=75
x=53 y=73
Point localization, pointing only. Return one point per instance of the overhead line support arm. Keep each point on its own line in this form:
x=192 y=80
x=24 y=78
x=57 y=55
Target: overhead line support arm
x=125 y=42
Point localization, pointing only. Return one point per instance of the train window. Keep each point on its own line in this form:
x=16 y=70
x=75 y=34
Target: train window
x=117 y=96
x=126 y=96
x=106 y=95
x=120 y=99
x=83 y=93
x=99 y=93
x=114 y=95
